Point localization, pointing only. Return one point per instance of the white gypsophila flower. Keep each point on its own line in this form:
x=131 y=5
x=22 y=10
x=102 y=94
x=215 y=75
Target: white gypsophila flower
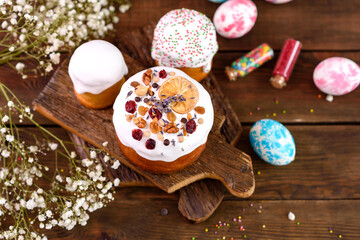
x=116 y=164
x=92 y=154
x=49 y=68
x=5 y=153
x=73 y=154
x=49 y=213
x=123 y=8
x=13 y=21
x=2 y=201
x=116 y=182
x=41 y=225
x=55 y=58
x=53 y=146
x=33 y=148
x=31 y=204
x=21 y=2
x=27 y=109
x=22 y=37
x=4 y=24
x=31 y=160
x=3 y=130
x=48 y=226
x=87 y=162
x=5 y=119
x=19 y=66
x=105 y=144
x=41 y=217
x=10 y=104
x=10 y=138
x=11 y=49
x=58 y=178
x=106 y=158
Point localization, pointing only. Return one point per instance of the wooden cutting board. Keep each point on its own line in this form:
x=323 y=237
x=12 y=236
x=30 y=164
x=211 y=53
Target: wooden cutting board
x=220 y=160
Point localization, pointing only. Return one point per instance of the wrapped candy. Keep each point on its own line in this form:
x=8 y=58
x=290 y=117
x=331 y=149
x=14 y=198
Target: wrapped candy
x=285 y=64
x=337 y=76
x=248 y=63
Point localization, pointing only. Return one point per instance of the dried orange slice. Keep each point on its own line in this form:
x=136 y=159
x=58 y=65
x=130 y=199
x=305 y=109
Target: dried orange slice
x=181 y=89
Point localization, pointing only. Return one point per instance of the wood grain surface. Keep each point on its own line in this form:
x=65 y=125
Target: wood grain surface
x=321 y=186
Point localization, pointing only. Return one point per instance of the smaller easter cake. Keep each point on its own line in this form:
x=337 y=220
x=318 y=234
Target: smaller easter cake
x=97 y=70
x=185 y=39
x=162 y=118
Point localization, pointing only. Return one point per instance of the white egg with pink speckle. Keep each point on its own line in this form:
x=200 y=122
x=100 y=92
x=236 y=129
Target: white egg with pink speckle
x=235 y=18
x=278 y=1
x=337 y=76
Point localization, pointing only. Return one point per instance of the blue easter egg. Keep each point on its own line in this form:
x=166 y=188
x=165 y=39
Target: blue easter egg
x=272 y=142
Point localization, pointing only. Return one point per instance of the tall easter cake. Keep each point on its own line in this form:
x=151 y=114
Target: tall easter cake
x=162 y=119
x=185 y=39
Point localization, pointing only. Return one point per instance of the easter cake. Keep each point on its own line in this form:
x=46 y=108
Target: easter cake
x=97 y=70
x=162 y=118
x=185 y=39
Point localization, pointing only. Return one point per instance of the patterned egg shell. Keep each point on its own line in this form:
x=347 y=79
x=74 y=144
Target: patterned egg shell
x=337 y=76
x=272 y=142
x=235 y=18
x=278 y=1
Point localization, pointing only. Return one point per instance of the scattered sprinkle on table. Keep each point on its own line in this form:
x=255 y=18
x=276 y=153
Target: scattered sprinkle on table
x=311 y=110
x=164 y=212
x=291 y=216
x=264 y=226
x=283 y=111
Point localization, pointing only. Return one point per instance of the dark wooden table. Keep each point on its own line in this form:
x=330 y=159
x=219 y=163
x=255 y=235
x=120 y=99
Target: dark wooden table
x=322 y=186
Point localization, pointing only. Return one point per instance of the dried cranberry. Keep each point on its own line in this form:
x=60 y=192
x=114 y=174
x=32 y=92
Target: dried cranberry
x=130 y=106
x=137 y=99
x=150 y=144
x=153 y=112
x=155 y=85
x=137 y=134
x=166 y=142
x=190 y=126
x=162 y=74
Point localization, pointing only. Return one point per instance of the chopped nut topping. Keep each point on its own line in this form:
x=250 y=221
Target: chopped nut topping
x=171 y=116
x=147 y=76
x=129 y=117
x=147 y=133
x=141 y=90
x=171 y=128
x=142 y=110
x=200 y=110
x=189 y=116
x=171 y=73
x=156 y=79
x=134 y=84
x=139 y=122
x=160 y=136
x=201 y=121
x=154 y=127
x=181 y=139
x=161 y=123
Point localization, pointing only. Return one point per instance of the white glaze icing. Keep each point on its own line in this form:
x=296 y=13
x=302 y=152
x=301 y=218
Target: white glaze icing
x=184 y=38
x=95 y=66
x=161 y=152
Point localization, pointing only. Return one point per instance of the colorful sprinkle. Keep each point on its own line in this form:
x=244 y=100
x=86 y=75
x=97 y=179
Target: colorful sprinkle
x=319 y=96
x=250 y=113
x=264 y=226
x=298 y=223
x=274 y=114
x=311 y=110
x=258 y=172
x=283 y=111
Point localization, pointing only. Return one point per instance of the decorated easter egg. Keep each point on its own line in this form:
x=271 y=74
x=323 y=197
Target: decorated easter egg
x=217 y=1
x=337 y=76
x=235 y=18
x=278 y=1
x=272 y=142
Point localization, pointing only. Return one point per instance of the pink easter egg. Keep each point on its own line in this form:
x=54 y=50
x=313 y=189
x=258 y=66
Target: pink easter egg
x=235 y=18
x=337 y=76
x=278 y=1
